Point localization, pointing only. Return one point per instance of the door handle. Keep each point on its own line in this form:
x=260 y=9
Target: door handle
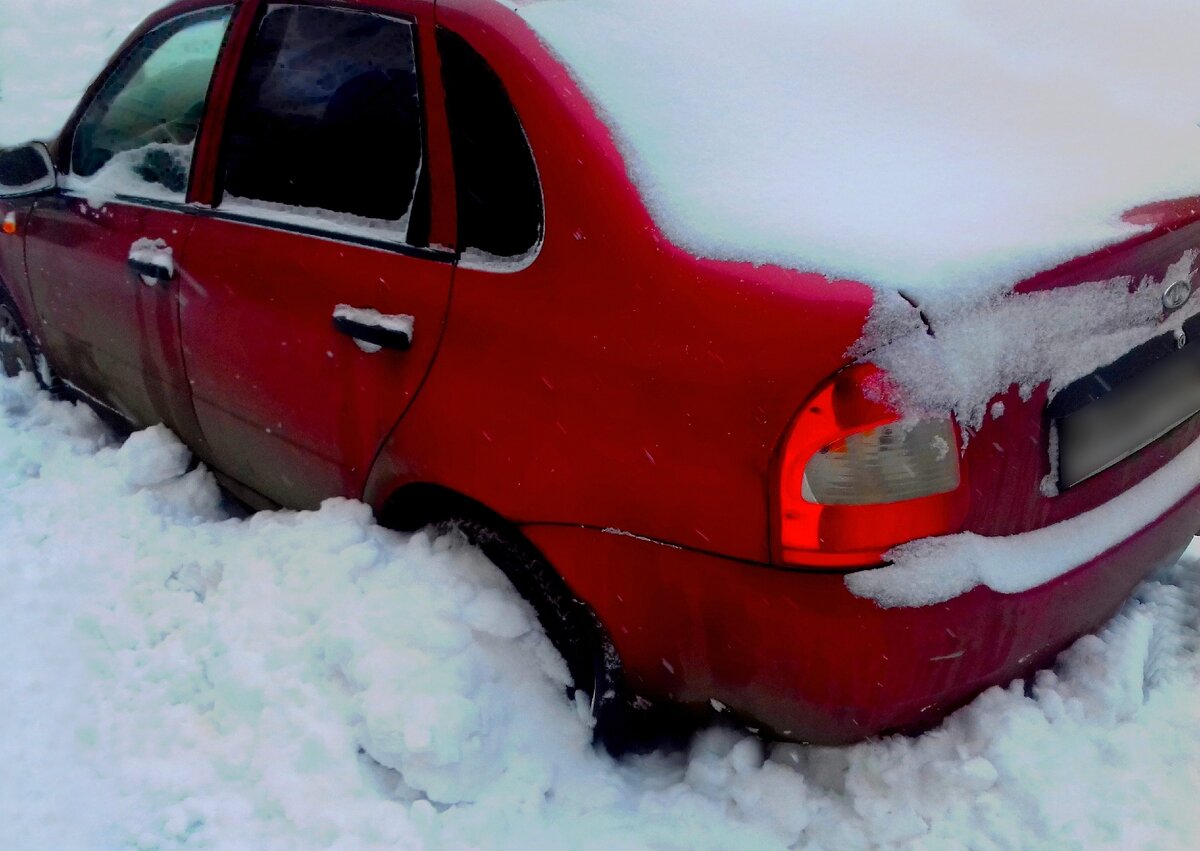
x=372 y=330
x=152 y=260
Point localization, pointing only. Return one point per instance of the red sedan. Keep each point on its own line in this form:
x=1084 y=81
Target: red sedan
x=391 y=251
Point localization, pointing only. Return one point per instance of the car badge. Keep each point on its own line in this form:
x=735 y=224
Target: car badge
x=1177 y=295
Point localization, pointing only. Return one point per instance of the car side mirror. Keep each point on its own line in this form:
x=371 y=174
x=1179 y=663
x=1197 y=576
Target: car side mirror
x=26 y=170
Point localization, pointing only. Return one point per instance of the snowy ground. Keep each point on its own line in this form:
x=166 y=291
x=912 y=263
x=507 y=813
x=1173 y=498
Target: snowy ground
x=177 y=677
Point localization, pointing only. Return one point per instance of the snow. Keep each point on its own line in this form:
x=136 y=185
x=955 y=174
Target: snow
x=343 y=223
x=980 y=350
x=400 y=323
x=484 y=261
x=153 y=252
x=122 y=176
x=940 y=148
x=180 y=676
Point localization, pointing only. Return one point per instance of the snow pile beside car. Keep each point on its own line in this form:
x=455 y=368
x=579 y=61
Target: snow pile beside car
x=180 y=678
x=935 y=147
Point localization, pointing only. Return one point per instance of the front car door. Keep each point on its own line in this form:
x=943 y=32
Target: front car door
x=325 y=201
x=101 y=252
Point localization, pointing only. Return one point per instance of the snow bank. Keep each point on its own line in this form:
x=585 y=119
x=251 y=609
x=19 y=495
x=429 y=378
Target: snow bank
x=180 y=677
x=935 y=147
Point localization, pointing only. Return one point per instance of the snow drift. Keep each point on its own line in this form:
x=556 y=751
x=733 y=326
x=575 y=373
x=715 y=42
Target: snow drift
x=180 y=677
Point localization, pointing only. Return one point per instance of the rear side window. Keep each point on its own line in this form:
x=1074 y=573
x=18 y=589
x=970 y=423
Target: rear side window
x=326 y=122
x=140 y=128
x=499 y=197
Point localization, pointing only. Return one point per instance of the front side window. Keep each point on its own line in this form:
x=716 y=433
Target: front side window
x=137 y=135
x=325 y=124
x=499 y=197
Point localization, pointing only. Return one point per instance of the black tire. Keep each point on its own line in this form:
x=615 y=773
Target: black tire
x=624 y=722
x=18 y=350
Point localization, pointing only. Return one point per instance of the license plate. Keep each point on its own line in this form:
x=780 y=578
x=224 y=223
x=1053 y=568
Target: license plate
x=1133 y=415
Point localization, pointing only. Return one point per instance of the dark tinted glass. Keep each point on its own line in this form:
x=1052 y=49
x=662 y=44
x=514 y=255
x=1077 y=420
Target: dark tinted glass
x=499 y=198
x=327 y=114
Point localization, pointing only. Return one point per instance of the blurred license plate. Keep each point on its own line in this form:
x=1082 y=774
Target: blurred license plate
x=1132 y=416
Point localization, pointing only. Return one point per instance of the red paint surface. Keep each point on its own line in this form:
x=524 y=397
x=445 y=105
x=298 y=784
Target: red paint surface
x=800 y=654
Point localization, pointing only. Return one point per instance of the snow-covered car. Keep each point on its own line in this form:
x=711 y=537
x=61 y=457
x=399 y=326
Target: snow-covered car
x=825 y=433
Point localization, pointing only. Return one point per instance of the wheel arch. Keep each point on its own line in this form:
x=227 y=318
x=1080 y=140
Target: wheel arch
x=569 y=621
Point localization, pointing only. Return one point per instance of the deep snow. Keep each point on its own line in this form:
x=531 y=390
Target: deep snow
x=177 y=677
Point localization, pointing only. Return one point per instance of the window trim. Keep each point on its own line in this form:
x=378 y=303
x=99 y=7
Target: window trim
x=432 y=252
x=65 y=155
x=319 y=228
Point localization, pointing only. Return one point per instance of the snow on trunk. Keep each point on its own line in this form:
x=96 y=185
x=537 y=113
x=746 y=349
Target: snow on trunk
x=938 y=148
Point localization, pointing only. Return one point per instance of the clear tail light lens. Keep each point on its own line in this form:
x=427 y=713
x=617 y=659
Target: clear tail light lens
x=889 y=463
x=855 y=479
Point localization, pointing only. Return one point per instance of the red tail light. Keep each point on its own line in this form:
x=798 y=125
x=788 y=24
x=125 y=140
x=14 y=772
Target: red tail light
x=856 y=479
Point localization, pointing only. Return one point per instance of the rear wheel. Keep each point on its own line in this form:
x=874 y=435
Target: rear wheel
x=16 y=351
x=624 y=722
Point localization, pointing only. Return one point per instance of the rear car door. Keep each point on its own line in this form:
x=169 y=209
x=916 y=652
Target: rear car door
x=101 y=251
x=324 y=203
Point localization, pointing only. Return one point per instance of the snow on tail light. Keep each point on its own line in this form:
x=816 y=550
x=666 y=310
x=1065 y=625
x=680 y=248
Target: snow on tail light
x=855 y=478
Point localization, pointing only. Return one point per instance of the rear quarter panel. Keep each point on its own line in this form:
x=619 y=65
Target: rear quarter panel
x=617 y=381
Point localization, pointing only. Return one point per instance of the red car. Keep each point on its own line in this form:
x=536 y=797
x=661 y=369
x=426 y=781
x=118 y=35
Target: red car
x=389 y=250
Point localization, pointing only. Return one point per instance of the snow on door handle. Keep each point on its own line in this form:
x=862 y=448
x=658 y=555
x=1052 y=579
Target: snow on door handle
x=153 y=260
x=372 y=330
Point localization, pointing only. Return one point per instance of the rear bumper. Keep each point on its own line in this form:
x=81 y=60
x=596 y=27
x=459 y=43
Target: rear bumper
x=800 y=654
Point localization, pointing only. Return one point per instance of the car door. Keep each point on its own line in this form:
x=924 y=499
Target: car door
x=315 y=295
x=101 y=252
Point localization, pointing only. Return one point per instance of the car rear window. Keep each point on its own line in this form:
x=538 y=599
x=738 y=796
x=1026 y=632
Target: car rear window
x=326 y=119
x=499 y=197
